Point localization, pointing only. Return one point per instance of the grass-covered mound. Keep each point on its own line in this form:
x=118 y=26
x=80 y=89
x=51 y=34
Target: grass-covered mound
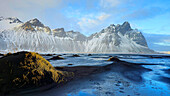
x=114 y=59
x=28 y=70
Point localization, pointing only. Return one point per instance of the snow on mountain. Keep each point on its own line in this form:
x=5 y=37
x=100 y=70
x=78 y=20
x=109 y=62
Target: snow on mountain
x=77 y=36
x=38 y=42
x=119 y=38
x=33 y=25
x=9 y=23
x=34 y=36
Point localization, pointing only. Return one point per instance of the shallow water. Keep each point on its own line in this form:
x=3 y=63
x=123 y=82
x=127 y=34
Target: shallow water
x=122 y=80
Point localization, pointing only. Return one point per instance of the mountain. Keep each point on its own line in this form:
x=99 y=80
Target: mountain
x=9 y=23
x=35 y=36
x=77 y=36
x=118 y=38
x=33 y=25
x=5 y=24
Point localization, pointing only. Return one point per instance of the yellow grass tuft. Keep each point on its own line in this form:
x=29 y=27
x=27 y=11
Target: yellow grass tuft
x=28 y=69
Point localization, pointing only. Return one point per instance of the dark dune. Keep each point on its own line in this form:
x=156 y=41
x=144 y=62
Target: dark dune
x=116 y=59
x=7 y=54
x=75 y=55
x=130 y=71
x=47 y=54
x=59 y=55
x=56 y=58
x=89 y=54
x=1 y=54
x=28 y=70
x=80 y=71
x=148 y=56
x=156 y=56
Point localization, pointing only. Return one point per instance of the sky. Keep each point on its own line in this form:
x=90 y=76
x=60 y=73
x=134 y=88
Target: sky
x=151 y=17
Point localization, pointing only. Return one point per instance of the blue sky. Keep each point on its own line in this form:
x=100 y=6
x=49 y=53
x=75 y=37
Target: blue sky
x=90 y=16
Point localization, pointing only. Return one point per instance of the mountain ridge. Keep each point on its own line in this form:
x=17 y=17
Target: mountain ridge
x=114 y=38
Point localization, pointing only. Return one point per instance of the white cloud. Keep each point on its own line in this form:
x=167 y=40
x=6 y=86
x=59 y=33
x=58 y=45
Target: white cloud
x=90 y=21
x=163 y=43
x=103 y=16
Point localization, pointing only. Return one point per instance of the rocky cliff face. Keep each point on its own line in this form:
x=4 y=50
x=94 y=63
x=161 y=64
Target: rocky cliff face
x=137 y=37
x=59 y=32
x=118 y=38
x=124 y=30
x=33 y=25
x=77 y=36
x=35 y=36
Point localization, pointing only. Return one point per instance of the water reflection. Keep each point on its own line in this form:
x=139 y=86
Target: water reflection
x=83 y=93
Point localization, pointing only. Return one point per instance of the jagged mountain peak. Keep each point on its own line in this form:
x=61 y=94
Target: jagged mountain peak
x=11 y=19
x=115 y=38
x=126 y=23
x=9 y=22
x=34 y=19
x=126 y=26
x=116 y=33
x=36 y=22
x=27 y=26
x=112 y=24
x=73 y=32
x=58 y=29
x=33 y=25
x=77 y=36
x=60 y=32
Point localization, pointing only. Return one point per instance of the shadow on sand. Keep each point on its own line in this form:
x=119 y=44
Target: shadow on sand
x=128 y=70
